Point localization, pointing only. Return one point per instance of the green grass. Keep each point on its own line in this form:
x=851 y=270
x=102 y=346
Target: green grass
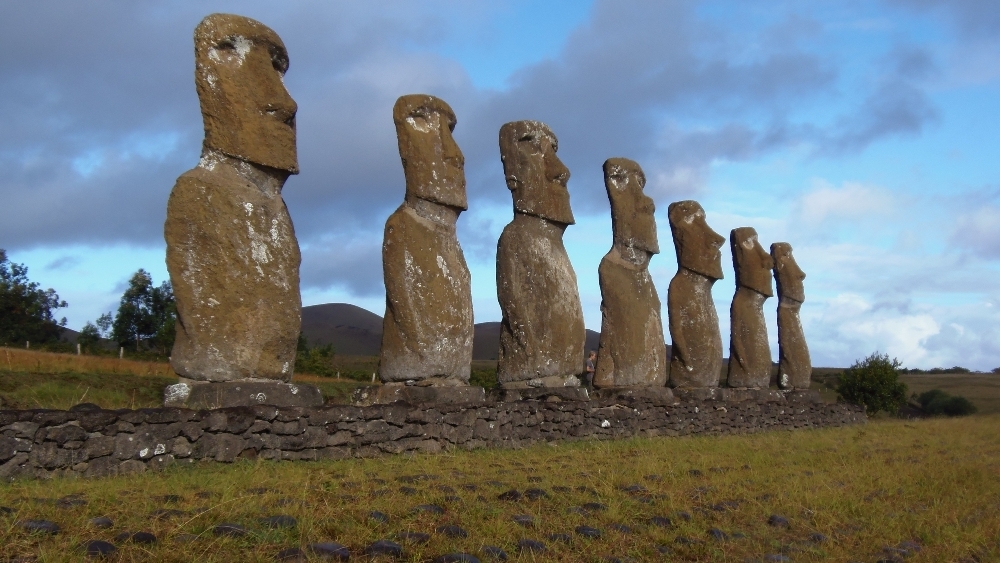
x=934 y=481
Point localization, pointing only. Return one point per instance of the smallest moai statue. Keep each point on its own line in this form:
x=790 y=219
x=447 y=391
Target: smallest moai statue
x=794 y=364
x=632 y=351
x=749 y=351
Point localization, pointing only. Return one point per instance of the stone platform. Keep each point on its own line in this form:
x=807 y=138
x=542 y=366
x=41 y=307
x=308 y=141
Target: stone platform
x=215 y=395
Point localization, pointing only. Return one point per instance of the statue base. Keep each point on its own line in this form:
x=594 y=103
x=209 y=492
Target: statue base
x=417 y=394
x=729 y=395
x=663 y=395
x=552 y=394
x=803 y=396
x=241 y=393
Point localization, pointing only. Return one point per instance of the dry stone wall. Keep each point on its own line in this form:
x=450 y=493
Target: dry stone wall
x=94 y=442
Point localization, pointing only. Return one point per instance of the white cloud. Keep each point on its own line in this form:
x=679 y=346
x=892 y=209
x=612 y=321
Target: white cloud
x=851 y=201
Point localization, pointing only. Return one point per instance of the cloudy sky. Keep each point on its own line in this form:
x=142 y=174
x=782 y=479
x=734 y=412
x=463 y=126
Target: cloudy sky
x=865 y=134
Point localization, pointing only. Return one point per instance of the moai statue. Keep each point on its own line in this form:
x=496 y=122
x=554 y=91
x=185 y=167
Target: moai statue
x=231 y=249
x=749 y=352
x=427 y=329
x=696 y=347
x=632 y=352
x=542 y=335
x=794 y=365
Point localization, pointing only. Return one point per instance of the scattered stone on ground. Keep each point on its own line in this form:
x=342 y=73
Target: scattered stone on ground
x=330 y=551
x=778 y=521
x=379 y=517
x=40 y=526
x=279 y=521
x=413 y=537
x=526 y=520
x=530 y=546
x=456 y=558
x=101 y=522
x=494 y=552
x=98 y=548
x=588 y=532
x=431 y=508
x=452 y=531
x=384 y=547
x=559 y=537
x=229 y=529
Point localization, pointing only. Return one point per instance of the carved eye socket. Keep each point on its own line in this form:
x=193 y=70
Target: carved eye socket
x=279 y=60
x=226 y=44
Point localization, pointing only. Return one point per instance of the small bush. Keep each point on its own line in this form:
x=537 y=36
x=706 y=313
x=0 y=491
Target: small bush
x=874 y=383
x=937 y=402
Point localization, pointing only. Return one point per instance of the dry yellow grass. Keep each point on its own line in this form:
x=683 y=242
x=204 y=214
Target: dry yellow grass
x=934 y=482
x=21 y=360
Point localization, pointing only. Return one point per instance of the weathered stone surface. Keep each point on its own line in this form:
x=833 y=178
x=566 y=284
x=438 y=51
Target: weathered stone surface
x=794 y=364
x=418 y=395
x=696 y=347
x=542 y=334
x=749 y=351
x=428 y=324
x=231 y=249
x=632 y=352
x=242 y=393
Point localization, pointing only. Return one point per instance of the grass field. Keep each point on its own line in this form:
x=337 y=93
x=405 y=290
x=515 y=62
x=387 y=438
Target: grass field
x=847 y=494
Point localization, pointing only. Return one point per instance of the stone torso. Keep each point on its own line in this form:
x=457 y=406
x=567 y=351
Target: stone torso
x=632 y=352
x=749 y=353
x=234 y=265
x=542 y=333
x=794 y=363
x=428 y=324
x=696 y=341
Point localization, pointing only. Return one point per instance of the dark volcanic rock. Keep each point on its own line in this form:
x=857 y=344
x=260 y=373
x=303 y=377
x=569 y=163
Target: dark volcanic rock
x=594 y=506
x=661 y=522
x=588 y=532
x=530 y=546
x=452 y=531
x=717 y=534
x=564 y=538
x=526 y=520
x=494 y=552
x=512 y=495
x=413 y=537
x=98 y=548
x=40 y=526
x=379 y=517
x=330 y=551
x=384 y=547
x=456 y=558
x=778 y=521
x=291 y=554
x=535 y=494
x=101 y=522
x=229 y=529
x=621 y=528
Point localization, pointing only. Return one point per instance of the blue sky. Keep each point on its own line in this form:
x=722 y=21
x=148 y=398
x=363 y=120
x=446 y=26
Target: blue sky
x=863 y=133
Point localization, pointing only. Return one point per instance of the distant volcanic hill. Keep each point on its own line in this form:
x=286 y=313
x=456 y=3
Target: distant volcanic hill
x=354 y=331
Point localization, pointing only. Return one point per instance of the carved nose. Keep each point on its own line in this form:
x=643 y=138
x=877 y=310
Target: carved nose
x=283 y=110
x=555 y=170
x=452 y=154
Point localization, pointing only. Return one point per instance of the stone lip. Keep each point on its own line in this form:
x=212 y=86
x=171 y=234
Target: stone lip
x=417 y=395
x=214 y=395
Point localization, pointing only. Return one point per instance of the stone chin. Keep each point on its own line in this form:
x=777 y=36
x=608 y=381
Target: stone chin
x=449 y=191
x=552 y=204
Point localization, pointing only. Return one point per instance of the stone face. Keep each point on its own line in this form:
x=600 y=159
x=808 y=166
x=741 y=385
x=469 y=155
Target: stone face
x=542 y=334
x=428 y=324
x=794 y=364
x=696 y=347
x=231 y=249
x=632 y=352
x=749 y=351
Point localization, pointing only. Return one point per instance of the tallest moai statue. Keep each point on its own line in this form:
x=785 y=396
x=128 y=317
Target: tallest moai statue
x=231 y=249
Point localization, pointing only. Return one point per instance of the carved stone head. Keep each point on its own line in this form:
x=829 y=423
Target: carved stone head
x=535 y=175
x=787 y=273
x=752 y=263
x=632 y=220
x=432 y=162
x=248 y=114
x=697 y=245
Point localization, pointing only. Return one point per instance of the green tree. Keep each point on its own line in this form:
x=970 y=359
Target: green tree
x=146 y=314
x=26 y=309
x=874 y=382
x=89 y=337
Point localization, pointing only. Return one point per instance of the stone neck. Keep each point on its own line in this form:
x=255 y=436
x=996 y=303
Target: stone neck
x=785 y=301
x=636 y=257
x=268 y=180
x=432 y=211
x=695 y=276
x=546 y=227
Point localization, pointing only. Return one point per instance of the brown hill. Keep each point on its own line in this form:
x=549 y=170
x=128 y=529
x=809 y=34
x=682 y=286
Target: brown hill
x=354 y=331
